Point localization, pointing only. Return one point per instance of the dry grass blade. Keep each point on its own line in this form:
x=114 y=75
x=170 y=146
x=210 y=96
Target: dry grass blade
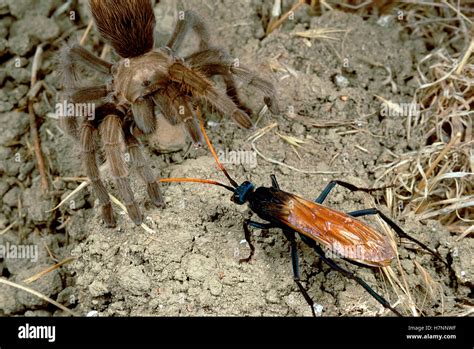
x=38 y=294
x=296 y=142
x=7 y=229
x=124 y=209
x=48 y=270
x=81 y=186
x=275 y=24
x=319 y=33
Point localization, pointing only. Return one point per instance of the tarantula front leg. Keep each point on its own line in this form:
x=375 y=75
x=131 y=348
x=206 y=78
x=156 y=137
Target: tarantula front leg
x=144 y=114
x=87 y=94
x=199 y=86
x=145 y=172
x=187 y=116
x=92 y=171
x=72 y=56
x=189 y=20
x=163 y=101
x=215 y=61
x=111 y=134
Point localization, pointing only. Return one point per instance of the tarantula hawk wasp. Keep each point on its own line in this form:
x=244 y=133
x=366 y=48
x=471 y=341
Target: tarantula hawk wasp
x=318 y=226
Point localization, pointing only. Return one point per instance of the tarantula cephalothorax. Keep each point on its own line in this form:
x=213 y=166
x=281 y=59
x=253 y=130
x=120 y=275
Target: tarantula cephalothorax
x=143 y=78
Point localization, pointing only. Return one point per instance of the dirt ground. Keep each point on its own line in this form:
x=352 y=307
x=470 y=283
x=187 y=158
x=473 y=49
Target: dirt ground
x=187 y=263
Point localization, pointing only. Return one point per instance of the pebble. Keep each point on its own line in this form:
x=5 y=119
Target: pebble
x=5 y=24
x=19 y=45
x=3 y=188
x=98 y=288
x=37 y=27
x=49 y=285
x=20 y=8
x=35 y=205
x=134 y=280
x=341 y=81
x=297 y=129
x=14 y=124
x=12 y=196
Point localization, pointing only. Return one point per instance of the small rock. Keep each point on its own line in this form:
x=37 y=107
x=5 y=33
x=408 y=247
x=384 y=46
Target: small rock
x=4 y=10
x=39 y=312
x=18 y=93
x=341 y=81
x=14 y=124
x=98 y=288
x=8 y=303
x=48 y=285
x=75 y=203
x=19 y=45
x=5 y=24
x=68 y=296
x=297 y=129
x=215 y=287
x=3 y=188
x=134 y=280
x=199 y=267
x=36 y=205
x=12 y=196
x=272 y=296
x=37 y=27
x=25 y=170
x=20 y=8
x=5 y=106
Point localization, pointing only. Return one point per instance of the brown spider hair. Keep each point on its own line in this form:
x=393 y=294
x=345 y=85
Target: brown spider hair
x=143 y=79
x=137 y=16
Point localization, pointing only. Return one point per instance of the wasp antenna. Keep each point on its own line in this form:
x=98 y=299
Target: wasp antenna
x=196 y=180
x=213 y=152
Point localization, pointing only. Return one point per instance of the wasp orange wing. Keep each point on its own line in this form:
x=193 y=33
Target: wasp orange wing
x=338 y=232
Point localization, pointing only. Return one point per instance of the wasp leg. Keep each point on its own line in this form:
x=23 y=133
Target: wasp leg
x=290 y=235
x=396 y=228
x=352 y=276
x=274 y=182
x=248 y=223
x=320 y=199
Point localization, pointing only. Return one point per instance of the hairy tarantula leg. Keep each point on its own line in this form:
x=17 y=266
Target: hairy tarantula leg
x=226 y=106
x=167 y=109
x=186 y=113
x=257 y=82
x=87 y=94
x=215 y=61
x=200 y=86
x=92 y=171
x=186 y=21
x=145 y=172
x=68 y=122
x=144 y=114
x=111 y=134
x=78 y=54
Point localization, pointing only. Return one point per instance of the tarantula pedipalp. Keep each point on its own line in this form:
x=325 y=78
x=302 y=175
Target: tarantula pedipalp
x=143 y=78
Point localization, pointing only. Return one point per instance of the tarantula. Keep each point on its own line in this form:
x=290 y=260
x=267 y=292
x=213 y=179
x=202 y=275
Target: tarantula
x=143 y=78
